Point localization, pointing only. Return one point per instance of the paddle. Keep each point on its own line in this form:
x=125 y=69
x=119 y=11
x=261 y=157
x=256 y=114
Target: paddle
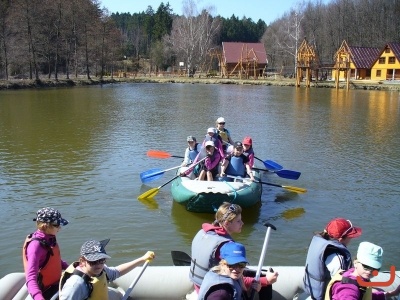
x=161 y=154
x=180 y=258
x=262 y=256
x=287 y=187
x=270 y=164
x=288 y=174
x=152 y=192
x=129 y=290
x=154 y=174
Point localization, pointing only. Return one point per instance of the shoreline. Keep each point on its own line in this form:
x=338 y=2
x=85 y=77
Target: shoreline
x=15 y=84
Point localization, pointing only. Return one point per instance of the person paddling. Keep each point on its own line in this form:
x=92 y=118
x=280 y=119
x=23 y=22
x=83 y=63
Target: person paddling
x=89 y=277
x=207 y=243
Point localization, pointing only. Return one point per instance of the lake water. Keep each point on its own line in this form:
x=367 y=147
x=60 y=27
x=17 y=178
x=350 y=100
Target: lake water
x=81 y=150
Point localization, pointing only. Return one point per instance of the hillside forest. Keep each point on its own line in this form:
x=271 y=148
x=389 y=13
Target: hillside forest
x=75 y=38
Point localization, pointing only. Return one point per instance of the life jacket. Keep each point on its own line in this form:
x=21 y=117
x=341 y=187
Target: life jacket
x=365 y=292
x=317 y=276
x=193 y=152
x=212 y=279
x=97 y=286
x=204 y=246
x=50 y=272
x=247 y=154
x=236 y=165
x=224 y=134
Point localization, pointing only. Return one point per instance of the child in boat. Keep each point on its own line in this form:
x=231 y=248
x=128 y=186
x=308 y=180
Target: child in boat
x=41 y=255
x=88 y=277
x=209 y=167
x=223 y=133
x=225 y=281
x=236 y=164
x=213 y=136
x=327 y=254
x=191 y=151
x=206 y=247
x=344 y=284
x=248 y=150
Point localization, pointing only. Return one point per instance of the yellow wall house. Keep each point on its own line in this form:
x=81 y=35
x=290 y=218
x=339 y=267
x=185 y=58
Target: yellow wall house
x=387 y=65
x=356 y=60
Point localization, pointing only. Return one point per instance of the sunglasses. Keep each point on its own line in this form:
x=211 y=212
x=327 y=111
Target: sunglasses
x=237 y=266
x=368 y=268
x=97 y=262
x=348 y=229
x=55 y=225
x=222 y=123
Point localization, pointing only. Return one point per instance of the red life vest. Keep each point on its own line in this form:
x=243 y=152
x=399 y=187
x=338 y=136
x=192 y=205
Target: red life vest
x=50 y=272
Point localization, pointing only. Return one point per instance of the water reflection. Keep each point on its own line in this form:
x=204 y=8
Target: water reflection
x=189 y=223
x=82 y=150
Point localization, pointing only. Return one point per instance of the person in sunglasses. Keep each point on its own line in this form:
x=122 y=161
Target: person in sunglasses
x=223 y=133
x=327 y=254
x=89 y=277
x=208 y=242
x=344 y=284
x=225 y=281
x=41 y=255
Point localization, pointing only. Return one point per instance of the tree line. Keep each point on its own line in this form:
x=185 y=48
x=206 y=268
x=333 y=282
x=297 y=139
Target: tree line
x=79 y=37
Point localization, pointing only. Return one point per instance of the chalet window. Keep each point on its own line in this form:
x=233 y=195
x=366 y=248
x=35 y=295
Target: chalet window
x=387 y=50
x=392 y=60
x=378 y=73
x=382 y=60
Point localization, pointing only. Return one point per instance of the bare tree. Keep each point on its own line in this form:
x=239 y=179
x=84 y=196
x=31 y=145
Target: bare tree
x=193 y=34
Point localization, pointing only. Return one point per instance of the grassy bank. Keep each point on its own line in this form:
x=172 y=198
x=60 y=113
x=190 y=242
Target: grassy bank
x=50 y=83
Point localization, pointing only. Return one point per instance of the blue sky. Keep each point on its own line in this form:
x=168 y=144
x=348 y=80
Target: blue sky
x=266 y=10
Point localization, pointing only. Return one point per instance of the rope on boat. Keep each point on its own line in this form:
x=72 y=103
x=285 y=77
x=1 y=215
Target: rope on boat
x=234 y=197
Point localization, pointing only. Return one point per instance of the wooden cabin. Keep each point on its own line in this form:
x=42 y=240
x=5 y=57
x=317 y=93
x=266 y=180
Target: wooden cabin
x=387 y=64
x=306 y=59
x=352 y=62
x=243 y=60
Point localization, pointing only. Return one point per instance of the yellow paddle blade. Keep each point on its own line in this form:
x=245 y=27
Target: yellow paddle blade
x=149 y=194
x=294 y=189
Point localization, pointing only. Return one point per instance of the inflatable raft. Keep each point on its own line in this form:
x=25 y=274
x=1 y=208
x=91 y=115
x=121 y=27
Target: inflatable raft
x=172 y=282
x=207 y=196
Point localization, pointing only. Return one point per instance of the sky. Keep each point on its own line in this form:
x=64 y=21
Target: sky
x=266 y=10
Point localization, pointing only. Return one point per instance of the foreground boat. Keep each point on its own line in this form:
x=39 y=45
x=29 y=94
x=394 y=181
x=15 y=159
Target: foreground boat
x=207 y=196
x=172 y=282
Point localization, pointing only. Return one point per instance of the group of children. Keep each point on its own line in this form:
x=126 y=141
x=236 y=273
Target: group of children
x=218 y=265
x=49 y=277
x=218 y=155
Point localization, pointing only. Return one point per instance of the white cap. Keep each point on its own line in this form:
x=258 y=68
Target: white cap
x=209 y=143
x=220 y=120
x=211 y=129
x=370 y=254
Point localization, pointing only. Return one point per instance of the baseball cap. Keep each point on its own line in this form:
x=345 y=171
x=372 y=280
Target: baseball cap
x=209 y=143
x=220 y=120
x=211 y=129
x=247 y=141
x=94 y=250
x=233 y=253
x=339 y=227
x=238 y=145
x=370 y=254
x=191 y=138
x=50 y=215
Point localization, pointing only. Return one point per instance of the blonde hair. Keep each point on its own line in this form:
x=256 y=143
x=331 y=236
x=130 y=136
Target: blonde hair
x=42 y=226
x=227 y=212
